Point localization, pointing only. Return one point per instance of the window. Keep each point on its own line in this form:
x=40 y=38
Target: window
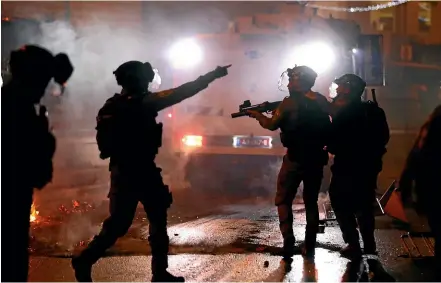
x=386 y=24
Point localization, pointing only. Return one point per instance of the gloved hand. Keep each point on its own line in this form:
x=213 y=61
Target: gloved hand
x=217 y=73
x=220 y=72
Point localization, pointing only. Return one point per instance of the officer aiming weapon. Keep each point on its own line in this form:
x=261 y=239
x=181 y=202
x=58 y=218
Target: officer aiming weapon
x=265 y=107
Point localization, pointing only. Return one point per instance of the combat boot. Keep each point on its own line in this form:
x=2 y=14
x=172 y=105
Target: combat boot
x=83 y=271
x=355 y=272
x=377 y=273
x=351 y=252
x=308 y=252
x=165 y=276
x=288 y=247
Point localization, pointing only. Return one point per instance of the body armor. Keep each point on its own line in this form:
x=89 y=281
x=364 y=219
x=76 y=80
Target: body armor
x=304 y=133
x=127 y=131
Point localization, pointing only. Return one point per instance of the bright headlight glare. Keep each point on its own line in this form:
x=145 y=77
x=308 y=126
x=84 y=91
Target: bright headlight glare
x=185 y=54
x=192 y=141
x=317 y=55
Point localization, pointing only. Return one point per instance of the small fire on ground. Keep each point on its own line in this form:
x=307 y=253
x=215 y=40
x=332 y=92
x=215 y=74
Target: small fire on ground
x=76 y=207
x=34 y=213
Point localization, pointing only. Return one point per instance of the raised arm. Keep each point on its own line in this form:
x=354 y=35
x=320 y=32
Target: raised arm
x=167 y=98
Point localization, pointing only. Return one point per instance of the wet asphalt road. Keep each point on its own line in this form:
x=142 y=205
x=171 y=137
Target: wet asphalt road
x=239 y=243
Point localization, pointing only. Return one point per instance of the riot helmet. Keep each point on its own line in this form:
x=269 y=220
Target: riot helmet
x=351 y=84
x=137 y=76
x=297 y=79
x=32 y=63
x=34 y=67
x=348 y=89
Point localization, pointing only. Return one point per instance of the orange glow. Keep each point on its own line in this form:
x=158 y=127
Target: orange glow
x=75 y=203
x=192 y=141
x=34 y=213
x=5 y=19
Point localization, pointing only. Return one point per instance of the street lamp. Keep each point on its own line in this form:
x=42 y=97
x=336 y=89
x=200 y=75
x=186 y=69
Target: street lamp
x=185 y=54
x=317 y=55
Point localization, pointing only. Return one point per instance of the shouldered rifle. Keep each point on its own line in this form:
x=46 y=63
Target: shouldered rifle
x=262 y=107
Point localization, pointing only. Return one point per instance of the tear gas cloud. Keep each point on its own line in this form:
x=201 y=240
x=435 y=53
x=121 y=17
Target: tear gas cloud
x=96 y=49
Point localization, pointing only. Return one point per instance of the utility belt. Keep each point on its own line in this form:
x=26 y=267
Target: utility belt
x=313 y=157
x=138 y=149
x=303 y=150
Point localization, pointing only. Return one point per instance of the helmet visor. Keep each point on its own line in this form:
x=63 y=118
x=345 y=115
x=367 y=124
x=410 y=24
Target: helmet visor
x=156 y=82
x=284 y=81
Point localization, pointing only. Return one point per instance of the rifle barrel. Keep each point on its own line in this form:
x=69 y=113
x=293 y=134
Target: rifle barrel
x=238 y=114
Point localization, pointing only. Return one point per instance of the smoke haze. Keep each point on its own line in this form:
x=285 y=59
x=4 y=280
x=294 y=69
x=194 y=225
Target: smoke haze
x=96 y=47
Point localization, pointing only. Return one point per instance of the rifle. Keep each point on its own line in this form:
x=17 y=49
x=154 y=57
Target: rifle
x=374 y=96
x=262 y=107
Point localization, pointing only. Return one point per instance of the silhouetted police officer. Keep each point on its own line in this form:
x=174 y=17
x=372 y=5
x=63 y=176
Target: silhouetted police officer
x=304 y=122
x=28 y=148
x=128 y=134
x=423 y=167
x=359 y=136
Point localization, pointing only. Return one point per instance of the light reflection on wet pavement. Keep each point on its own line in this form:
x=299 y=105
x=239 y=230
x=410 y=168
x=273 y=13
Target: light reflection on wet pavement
x=241 y=244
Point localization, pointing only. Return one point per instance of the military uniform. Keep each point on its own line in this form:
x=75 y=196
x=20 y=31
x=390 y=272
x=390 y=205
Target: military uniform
x=127 y=132
x=30 y=148
x=17 y=183
x=304 y=133
x=304 y=123
x=358 y=139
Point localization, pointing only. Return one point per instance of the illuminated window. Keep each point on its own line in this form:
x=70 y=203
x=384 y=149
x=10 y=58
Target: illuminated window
x=424 y=15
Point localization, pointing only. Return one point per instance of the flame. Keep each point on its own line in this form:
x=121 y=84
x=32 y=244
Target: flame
x=34 y=213
x=75 y=204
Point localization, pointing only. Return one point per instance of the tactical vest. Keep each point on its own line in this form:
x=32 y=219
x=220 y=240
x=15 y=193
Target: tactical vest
x=127 y=131
x=359 y=138
x=305 y=135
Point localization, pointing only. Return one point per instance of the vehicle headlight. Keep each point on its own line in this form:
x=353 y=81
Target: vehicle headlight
x=192 y=141
x=317 y=55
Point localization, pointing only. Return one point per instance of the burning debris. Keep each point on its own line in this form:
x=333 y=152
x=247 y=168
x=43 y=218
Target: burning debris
x=34 y=213
x=77 y=207
x=65 y=229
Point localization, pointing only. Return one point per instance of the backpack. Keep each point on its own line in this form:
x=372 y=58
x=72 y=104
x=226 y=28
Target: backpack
x=106 y=120
x=126 y=127
x=376 y=125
